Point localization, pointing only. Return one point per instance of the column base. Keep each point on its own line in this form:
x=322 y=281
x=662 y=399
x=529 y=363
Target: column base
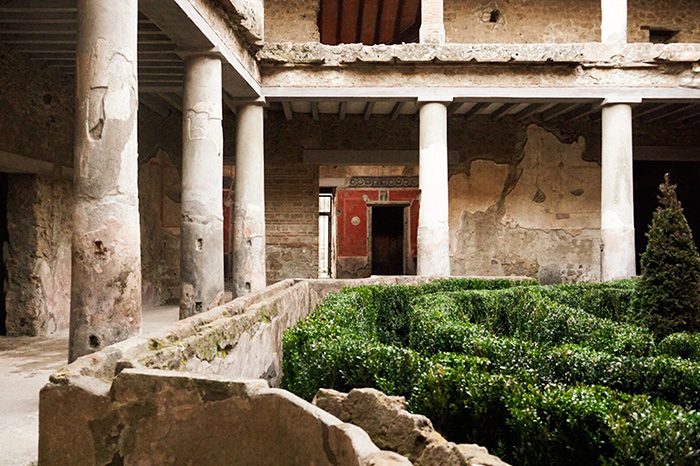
x=617 y=254
x=433 y=252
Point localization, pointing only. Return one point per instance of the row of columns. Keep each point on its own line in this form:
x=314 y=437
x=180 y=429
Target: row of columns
x=617 y=193
x=106 y=277
x=106 y=269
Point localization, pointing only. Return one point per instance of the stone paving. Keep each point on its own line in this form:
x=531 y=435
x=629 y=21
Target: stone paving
x=25 y=366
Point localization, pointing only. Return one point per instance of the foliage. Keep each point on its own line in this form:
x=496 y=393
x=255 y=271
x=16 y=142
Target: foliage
x=670 y=286
x=540 y=375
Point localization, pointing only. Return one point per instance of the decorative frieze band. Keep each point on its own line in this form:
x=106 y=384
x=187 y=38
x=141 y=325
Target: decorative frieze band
x=383 y=182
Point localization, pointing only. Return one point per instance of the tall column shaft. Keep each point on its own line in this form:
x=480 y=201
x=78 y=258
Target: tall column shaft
x=613 y=27
x=432 y=28
x=433 y=221
x=202 y=223
x=106 y=271
x=617 y=196
x=249 y=203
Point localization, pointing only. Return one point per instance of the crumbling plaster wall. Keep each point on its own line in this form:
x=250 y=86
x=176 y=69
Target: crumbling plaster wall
x=37 y=110
x=160 y=162
x=524 y=200
x=678 y=15
x=292 y=20
x=534 y=21
x=38 y=261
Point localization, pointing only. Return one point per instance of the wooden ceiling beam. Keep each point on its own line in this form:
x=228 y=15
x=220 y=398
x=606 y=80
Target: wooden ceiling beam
x=369 y=108
x=288 y=112
x=501 y=111
x=471 y=113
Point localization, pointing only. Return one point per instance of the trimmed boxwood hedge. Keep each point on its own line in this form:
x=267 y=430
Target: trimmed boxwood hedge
x=539 y=375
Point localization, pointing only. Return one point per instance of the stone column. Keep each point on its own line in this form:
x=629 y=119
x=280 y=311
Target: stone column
x=433 y=221
x=613 y=27
x=432 y=29
x=202 y=224
x=249 y=203
x=106 y=270
x=617 y=196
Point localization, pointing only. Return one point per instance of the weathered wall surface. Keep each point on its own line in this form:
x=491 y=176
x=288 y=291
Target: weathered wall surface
x=291 y=200
x=538 y=216
x=39 y=214
x=671 y=14
x=502 y=21
x=160 y=417
x=292 y=20
x=121 y=403
x=37 y=110
x=160 y=162
x=523 y=200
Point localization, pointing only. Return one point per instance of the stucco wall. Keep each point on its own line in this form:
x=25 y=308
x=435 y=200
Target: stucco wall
x=37 y=110
x=523 y=200
x=292 y=20
x=39 y=214
x=554 y=21
x=681 y=15
x=160 y=163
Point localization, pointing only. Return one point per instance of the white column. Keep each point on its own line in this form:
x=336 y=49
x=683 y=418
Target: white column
x=617 y=196
x=613 y=27
x=106 y=270
x=202 y=223
x=249 y=203
x=433 y=221
x=432 y=28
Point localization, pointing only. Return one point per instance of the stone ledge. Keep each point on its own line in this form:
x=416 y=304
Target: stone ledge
x=393 y=428
x=594 y=54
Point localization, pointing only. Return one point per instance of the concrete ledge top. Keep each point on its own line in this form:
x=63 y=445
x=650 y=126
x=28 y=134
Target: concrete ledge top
x=598 y=54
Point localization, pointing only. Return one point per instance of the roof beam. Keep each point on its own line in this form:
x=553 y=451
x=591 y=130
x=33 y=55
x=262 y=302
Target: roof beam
x=343 y=110
x=558 y=110
x=662 y=115
x=172 y=99
x=369 y=108
x=455 y=107
x=314 y=110
x=157 y=105
x=584 y=112
x=396 y=111
x=686 y=116
x=475 y=109
x=651 y=109
x=501 y=111
x=288 y=112
x=531 y=110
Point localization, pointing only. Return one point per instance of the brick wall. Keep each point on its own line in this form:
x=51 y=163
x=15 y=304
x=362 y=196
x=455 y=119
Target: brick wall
x=291 y=213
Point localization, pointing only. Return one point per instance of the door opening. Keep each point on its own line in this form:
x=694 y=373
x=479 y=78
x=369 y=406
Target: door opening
x=388 y=243
x=325 y=233
x=3 y=247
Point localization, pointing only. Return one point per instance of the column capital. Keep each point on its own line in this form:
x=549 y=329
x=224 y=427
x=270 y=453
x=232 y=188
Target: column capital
x=214 y=52
x=434 y=98
x=259 y=101
x=615 y=100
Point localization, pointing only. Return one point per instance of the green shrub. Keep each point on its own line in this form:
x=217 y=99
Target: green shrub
x=669 y=289
x=682 y=345
x=539 y=375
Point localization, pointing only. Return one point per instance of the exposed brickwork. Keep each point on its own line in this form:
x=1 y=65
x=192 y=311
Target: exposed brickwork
x=291 y=201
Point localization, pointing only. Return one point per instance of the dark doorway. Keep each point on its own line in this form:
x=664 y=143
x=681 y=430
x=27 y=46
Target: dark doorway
x=387 y=240
x=647 y=178
x=3 y=241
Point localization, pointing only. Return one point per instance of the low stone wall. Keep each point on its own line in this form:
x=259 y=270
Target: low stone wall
x=173 y=396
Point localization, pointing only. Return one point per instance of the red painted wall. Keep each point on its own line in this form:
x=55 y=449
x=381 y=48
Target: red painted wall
x=351 y=203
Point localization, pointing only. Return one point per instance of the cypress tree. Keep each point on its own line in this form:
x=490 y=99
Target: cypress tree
x=669 y=290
